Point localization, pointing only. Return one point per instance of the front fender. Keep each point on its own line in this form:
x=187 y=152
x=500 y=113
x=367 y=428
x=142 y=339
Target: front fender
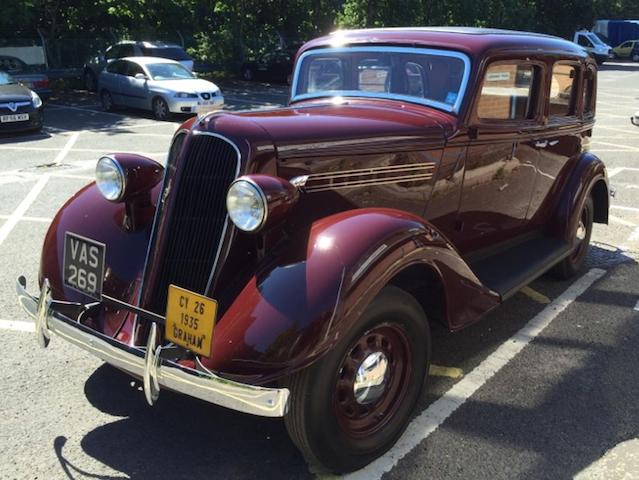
x=90 y=215
x=298 y=308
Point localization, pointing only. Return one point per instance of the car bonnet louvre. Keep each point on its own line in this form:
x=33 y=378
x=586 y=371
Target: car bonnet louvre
x=192 y=226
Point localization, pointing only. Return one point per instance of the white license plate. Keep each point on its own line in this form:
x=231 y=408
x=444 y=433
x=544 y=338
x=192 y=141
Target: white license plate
x=20 y=117
x=205 y=102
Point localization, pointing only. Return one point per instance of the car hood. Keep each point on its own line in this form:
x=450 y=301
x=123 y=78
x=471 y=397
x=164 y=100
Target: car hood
x=325 y=128
x=195 y=85
x=14 y=92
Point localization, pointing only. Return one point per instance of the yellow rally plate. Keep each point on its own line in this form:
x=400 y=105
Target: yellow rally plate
x=190 y=318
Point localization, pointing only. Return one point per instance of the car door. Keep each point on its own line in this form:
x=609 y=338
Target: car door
x=135 y=90
x=562 y=137
x=111 y=80
x=624 y=49
x=500 y=163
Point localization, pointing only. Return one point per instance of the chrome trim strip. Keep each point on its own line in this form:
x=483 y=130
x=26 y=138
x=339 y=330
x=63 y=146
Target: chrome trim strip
x=15 y=104
x=371 y=171
x=147 y=364
x=367 y=183
x=209 y=283
x=136 y=310
x=392 y=96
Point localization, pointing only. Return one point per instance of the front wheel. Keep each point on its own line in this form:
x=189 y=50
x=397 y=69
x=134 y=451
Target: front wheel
x=107 y=101
x=352 y=405
x=160 y=109
x=571 y=265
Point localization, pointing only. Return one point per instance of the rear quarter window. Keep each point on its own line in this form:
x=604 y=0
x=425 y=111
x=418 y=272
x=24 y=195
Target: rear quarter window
x=563 y=90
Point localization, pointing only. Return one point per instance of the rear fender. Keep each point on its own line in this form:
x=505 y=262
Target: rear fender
x=295 y=310
x=588 y=177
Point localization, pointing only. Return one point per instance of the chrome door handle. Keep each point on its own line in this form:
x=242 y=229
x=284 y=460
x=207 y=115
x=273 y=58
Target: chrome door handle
x=541 y=143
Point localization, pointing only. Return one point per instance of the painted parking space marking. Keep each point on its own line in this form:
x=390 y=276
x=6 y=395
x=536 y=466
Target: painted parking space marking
x=21 y=209
x=67 y=147
x=431 y=418
x=450 y=372
x=621 y=221
x=627 y=209
x=17 y=326
x=535 y=295
x=28 y=219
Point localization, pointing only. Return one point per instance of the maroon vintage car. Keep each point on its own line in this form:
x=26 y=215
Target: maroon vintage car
x=289 y=262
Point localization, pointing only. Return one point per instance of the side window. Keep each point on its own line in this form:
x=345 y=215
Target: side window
x=584 y=41
x=133 y=69
x=563 y=86
x=118 y=67
x=508 y=92
x=126 y=50
x=589 y=92
x=113 y=52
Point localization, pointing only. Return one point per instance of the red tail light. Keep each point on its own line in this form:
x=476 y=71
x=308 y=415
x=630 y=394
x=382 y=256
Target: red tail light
x=41 y=83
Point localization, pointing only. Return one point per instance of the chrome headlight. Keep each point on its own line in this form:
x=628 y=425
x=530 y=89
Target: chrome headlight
x=185 y=95
x=110 y=179
x=246 y=204
x=35 y=100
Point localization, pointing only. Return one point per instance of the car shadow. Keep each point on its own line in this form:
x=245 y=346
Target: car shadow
x=182 y=437
x=19 y=137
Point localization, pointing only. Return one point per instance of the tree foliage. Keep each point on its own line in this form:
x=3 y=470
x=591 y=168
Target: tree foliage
x=226 y=31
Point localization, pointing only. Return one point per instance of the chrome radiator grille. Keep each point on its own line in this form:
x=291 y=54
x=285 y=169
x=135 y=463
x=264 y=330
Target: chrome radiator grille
x=193 y=225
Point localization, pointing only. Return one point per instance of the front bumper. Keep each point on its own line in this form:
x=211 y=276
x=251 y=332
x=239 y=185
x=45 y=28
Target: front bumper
x=194 y=105
x=147 y=363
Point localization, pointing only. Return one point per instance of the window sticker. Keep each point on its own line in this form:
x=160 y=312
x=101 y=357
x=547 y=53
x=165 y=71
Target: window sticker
x=451 y=98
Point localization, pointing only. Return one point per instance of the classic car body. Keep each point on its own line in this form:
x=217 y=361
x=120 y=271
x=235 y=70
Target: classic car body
x=421 y=195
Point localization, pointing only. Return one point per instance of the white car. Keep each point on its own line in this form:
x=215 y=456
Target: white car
x=157 y=84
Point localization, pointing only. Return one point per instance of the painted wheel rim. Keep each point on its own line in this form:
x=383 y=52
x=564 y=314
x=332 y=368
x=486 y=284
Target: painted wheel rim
x=372 y=381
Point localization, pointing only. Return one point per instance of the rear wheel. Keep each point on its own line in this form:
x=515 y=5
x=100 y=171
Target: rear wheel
x=352 y=405
x=107 y=101
x=571 y=265
x=635 y=57
x=160 y=109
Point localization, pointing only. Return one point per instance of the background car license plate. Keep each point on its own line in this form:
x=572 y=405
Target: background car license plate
x=19 y=117
x=83 y=264
x=190 y=319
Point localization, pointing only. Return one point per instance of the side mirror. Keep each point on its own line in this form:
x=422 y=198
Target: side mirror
x=140 y=76
x=635 y=119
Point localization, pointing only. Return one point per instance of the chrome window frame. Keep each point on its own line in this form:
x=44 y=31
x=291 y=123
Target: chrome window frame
x=461 y=93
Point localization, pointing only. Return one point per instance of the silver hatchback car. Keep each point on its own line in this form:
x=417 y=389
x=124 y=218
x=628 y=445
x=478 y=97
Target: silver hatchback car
x=157 y=84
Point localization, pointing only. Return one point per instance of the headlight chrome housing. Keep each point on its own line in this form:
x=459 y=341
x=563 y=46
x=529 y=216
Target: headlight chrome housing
x=110 y=179
x=35 y=100
x=186 y=95
x=247 y=205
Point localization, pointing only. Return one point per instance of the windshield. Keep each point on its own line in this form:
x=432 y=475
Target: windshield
x=5 y=79
x=595 y=39
x=169 y=71
x=433 y=77
x=172 y=53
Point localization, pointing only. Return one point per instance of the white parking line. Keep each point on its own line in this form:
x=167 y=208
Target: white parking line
x=67 y=146
x=19 y=212
x=634 y=236
x=29 y=219
x=431 y=418
x=621 y=221
x=630 y=149
x=628 y=209
x=17 y=326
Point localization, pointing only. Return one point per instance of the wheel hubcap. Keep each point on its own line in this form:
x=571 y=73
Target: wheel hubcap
x=373 y=381
x=581 y=231
x=370 y=380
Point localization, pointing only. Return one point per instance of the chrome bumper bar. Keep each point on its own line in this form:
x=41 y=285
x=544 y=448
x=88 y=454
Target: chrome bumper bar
x=146 y=363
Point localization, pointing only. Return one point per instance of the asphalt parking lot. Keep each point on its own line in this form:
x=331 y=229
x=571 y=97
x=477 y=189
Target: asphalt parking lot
x=544 y=387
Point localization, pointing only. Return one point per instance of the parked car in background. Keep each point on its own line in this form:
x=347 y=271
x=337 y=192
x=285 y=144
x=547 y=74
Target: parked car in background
x=157 y=84
x=291 y=262
x=124 y=49
x=20 y=107
x=29 y=75
x=626 y=50
x=593 y=45
x=275 y=66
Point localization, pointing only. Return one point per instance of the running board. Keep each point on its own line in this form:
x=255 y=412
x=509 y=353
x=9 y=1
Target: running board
x=509 y=270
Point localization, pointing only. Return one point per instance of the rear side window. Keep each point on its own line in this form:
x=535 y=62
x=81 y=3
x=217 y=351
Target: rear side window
x=172 y=53
x=563 y=88
x=118 y=67
x=133 y=69
x=583 y=41
x=589 y=92
x=508 y=92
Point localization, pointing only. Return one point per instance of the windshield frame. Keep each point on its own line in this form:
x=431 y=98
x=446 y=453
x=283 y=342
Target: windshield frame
x=381 y=95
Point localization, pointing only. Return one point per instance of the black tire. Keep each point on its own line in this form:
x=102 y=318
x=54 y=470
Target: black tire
x=90 y=82
x=247 y=74
x=107 y=101
x=318 y=419
x=573 y=263
x=635 y=57
x=160 y=109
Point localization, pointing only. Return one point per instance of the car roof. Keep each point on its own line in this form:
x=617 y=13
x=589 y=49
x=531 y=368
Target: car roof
x=473 y=41
x=149 y=44
x=148 y=60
